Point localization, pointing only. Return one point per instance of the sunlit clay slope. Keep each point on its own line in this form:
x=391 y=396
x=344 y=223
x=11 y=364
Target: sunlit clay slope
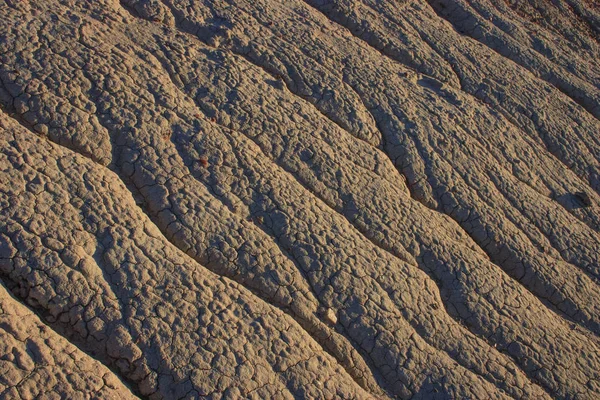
x=299 y=199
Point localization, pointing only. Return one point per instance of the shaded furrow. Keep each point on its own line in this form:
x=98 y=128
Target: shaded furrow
x=498 y=261
x=471 y=26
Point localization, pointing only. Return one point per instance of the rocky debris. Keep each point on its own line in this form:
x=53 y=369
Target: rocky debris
x=307 y=199
x=329 y=316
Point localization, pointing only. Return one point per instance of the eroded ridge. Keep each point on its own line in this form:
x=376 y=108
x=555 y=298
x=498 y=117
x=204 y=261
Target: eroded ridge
x=76 y=248
x=38 y=363
x=391 y=204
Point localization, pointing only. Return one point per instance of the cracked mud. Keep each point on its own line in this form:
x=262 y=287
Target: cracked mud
x=299 y=199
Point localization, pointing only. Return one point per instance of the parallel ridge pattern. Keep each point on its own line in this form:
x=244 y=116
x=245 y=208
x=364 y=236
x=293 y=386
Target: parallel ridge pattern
x=342 y=199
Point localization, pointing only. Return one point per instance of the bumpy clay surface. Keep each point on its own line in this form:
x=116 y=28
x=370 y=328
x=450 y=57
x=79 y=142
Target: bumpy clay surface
x=38 y=363
x=300 y=199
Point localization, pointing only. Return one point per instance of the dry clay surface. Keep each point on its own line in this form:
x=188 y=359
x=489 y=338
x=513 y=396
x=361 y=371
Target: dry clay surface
x=300 y=199
x=38 y=363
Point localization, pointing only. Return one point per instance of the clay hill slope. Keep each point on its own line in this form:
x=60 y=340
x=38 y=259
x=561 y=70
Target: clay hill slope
x=299 y=199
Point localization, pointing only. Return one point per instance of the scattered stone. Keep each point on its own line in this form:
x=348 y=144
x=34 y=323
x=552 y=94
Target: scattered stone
x=329 y=316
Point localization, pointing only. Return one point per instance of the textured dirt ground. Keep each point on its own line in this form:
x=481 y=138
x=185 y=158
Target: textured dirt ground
x=299 y=199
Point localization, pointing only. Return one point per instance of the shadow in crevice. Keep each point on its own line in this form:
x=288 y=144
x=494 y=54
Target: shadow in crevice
x=574 y=201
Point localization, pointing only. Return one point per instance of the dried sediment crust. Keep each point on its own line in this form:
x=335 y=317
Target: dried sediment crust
x=402 y=196
x=38 y=363
x=104 y=276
